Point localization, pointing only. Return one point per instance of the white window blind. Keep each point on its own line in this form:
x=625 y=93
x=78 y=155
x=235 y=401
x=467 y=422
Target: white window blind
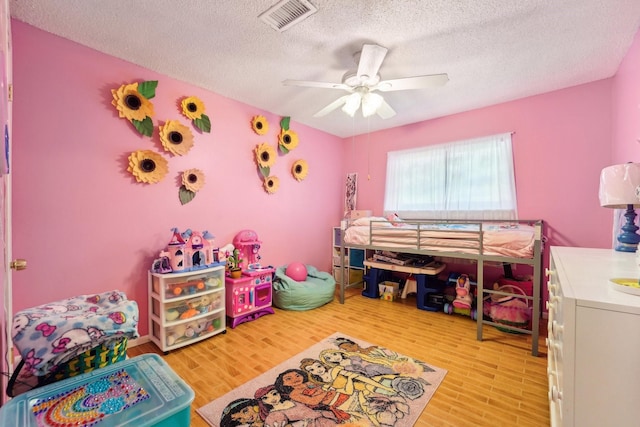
x=470 y=179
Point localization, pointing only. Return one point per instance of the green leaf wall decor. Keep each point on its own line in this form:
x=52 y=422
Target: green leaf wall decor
x=185 y=195
x=284 y=123
x=203 y=123
x=145 y=127
x=148 y=89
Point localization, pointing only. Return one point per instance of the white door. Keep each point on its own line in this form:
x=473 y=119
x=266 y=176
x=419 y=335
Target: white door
x=6 y=364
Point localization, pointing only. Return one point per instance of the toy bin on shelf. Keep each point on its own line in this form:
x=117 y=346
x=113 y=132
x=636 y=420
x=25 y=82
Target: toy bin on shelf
x=141 y=391
x=353 y=276
x=179 y=285
x=186 y=332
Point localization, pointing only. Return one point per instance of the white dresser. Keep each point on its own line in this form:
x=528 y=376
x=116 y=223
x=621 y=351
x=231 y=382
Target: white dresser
x=594 y=339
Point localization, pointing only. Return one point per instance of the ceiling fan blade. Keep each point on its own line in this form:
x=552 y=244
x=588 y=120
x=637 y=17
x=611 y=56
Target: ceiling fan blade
x=334 y=105
x=322 y=85
x=371 y=58
x=385 y=111
x=417 y=82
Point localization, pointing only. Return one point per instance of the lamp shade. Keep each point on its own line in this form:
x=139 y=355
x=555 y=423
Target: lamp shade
x=352 y=104
x=370 y=104
x=620 y=186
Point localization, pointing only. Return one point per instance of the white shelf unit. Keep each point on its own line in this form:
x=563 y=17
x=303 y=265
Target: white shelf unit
x=185 y=308
x=593 y=343
x=354 y=261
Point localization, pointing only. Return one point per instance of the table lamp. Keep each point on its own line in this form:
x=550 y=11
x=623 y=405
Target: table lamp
x=620 y=189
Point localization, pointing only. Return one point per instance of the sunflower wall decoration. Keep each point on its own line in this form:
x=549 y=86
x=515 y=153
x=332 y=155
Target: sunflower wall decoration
x=271 y=184
x=132 y=102
x=147 y=166
x=176 y=137
x=260 y=125
x=193 y=109
x=300 y=169
x=265 y=158
x=192 y=182
x=287 y=139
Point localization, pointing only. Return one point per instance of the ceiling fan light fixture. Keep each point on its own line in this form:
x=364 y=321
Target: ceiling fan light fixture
x=366 y=79
x=352 y=104
x=370 y=103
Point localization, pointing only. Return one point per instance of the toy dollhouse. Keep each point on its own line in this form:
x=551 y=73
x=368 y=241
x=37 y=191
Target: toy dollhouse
x=188 y=251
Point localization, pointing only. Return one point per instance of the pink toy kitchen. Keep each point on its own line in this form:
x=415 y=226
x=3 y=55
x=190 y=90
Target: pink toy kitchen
x=250 y=296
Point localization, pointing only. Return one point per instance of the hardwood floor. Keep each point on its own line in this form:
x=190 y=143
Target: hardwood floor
x=494 y=382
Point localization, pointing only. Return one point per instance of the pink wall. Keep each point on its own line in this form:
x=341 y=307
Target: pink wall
x=626 y=107
x=85 y=225
x=561 y=143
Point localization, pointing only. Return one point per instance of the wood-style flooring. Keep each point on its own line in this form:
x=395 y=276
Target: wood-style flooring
x=493 y=382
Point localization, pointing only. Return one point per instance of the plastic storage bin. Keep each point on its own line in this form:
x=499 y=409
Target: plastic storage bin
x=141 y=391
x=186 y=284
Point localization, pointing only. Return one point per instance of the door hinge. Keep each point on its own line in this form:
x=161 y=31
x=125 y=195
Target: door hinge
x=10 y=93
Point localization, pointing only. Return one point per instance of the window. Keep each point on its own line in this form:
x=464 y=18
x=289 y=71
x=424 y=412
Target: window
x=471 y=179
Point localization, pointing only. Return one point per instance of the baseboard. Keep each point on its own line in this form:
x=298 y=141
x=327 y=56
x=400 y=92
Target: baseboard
x=138 y=341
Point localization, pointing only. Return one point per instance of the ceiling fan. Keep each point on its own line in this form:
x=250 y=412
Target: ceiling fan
x=365 y=81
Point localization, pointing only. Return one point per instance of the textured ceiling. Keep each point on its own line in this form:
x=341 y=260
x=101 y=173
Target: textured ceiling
x=493 y=50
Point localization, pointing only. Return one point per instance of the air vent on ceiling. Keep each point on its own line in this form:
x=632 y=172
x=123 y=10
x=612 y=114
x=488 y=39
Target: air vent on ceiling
x=287 y=13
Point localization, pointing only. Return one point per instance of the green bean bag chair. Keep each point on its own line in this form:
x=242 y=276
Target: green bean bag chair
x=289 y=294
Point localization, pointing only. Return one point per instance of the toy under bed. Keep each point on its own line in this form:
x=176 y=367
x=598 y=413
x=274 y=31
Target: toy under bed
x=70 y=337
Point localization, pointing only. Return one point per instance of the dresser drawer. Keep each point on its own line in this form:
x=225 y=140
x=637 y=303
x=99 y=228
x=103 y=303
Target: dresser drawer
x=555 y=351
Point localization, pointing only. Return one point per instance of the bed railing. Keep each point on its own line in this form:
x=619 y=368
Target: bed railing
x=458 y=237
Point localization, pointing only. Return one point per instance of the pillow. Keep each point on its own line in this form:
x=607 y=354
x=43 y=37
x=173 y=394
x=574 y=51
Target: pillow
x=367 y=220
x=395 y=220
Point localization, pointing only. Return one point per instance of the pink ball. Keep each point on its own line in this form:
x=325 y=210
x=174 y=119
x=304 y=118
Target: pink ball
x=297 y=271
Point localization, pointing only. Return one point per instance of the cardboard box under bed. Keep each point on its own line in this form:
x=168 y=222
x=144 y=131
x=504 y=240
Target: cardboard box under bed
x=141 y=391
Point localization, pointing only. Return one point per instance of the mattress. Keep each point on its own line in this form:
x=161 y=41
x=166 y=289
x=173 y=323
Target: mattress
x=498 y=239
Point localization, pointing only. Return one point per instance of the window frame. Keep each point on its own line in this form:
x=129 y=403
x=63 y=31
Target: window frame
x=434 y=175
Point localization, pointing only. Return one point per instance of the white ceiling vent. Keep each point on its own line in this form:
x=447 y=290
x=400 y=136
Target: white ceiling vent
x=287 y=13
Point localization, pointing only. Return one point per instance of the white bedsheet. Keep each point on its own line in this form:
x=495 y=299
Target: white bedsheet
x=513 y=240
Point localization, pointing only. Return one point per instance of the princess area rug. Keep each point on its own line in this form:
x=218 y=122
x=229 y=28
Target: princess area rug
x=339 y=381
